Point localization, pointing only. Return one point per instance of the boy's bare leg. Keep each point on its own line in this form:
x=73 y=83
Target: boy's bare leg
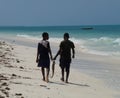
x=67 y=75
x=62 y=71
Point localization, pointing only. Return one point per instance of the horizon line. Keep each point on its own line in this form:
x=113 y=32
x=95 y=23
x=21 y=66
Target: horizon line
x=54 y=25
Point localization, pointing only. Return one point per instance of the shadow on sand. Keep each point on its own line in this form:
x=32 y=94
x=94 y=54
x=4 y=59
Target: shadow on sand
x=57 y=83
x=85 y=85
x=71 y=83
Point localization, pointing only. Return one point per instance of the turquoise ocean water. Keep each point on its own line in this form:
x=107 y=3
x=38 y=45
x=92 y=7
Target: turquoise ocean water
x=101 y=39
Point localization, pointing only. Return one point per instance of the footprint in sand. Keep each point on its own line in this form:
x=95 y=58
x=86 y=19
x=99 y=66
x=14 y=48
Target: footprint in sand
x=44 y=86
x=19 y=94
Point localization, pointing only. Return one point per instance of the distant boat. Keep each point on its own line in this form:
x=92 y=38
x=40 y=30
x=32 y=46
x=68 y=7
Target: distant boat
x=87 y=28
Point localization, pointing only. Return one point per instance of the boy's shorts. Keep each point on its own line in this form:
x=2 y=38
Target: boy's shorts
x=65 y=63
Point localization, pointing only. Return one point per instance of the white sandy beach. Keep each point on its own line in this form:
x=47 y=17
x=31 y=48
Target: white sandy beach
x=21 y=78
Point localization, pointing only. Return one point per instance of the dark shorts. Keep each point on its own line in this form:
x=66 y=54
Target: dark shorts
x=45 y=63
x=65 y=64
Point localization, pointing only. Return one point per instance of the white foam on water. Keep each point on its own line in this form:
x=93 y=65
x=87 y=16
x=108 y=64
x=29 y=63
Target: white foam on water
x=86 y=45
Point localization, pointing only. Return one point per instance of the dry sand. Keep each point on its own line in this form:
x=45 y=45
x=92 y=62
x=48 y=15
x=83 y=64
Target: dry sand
x=21 y=78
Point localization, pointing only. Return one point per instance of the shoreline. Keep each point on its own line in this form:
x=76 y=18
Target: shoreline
x=81 y=61
x=24 y=76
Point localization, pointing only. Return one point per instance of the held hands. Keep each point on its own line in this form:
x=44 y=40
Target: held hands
x=53 y=58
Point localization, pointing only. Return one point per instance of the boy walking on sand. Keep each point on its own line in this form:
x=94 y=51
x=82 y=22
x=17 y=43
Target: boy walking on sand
x=43 y=52
x=65 y=55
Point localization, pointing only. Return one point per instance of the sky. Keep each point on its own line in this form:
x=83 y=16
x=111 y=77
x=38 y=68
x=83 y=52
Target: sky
x=59 y=12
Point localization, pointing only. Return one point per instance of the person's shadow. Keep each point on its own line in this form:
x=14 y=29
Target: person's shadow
x=85 y=85
x=71 y=83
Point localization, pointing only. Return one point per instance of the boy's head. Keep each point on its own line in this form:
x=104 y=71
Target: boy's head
x=45 y=36
x=66 y=36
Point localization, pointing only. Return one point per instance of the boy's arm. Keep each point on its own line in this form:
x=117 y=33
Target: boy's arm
x=59 y=51
x=57 y=54
x=73 y=52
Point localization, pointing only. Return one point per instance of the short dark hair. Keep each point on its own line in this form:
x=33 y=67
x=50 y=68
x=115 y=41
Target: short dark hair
x=44 y=34
x=66 y=35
